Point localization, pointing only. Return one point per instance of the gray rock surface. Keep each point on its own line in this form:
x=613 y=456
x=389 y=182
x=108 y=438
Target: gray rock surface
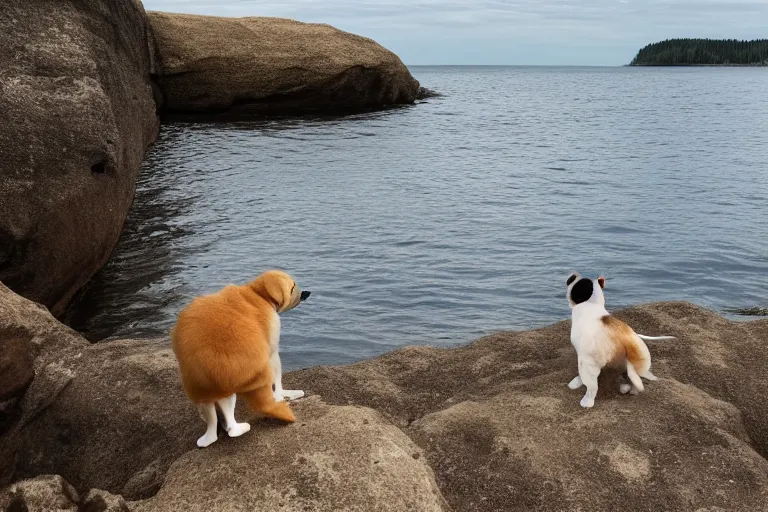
x=102 y=501
x=112 y=416
x=16 y=370
x=51 y=493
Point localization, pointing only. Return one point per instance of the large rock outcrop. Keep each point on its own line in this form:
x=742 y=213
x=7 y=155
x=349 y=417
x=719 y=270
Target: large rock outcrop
x=30 y=338
x=83 y=398
x=488 y=426
x=77 y=115
x=334 y=458
x=272 y=65
x=110 y=416
x=107 y=416
x=113 y=416
x=503 y=432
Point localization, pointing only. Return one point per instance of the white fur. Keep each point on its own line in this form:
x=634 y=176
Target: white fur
x=227 y=406
x=655 y=338
x=588 y=336
x=208 y=413
x=594 y=347
x=277 y=367
x=274 y=333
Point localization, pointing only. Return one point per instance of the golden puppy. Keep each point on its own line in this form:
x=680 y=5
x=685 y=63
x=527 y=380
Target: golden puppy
x=227 y=344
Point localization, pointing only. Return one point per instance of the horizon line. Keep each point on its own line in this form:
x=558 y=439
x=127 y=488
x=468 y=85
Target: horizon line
x=523 y=65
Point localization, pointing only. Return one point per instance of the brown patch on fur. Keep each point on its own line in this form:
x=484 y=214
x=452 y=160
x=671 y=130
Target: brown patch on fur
x=627 y=344
x=222 y=342
x=601 y=281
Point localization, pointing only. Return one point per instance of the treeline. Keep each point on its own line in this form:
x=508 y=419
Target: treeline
x=691 y=52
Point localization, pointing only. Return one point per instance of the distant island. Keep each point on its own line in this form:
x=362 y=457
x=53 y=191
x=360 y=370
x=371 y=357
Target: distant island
x=703 y=52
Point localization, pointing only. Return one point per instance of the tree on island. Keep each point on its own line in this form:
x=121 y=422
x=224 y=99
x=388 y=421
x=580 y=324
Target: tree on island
x=706 y=52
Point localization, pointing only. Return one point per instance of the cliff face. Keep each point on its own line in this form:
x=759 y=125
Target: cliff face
x=247 y=66
x=488 y=426
x=77 y=116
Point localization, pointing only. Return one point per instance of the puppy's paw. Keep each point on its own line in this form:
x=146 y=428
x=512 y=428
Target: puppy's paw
x=239 y=429
x=634 y=391
x=575 y=383
x=625 y=388
x=207 y=440
x=587 y=402
x=293 y=394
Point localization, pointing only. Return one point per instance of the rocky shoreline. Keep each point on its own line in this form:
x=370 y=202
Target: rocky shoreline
x=487 y=426
x=83 y=90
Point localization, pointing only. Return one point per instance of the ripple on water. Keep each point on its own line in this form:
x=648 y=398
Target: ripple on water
x=461 y=215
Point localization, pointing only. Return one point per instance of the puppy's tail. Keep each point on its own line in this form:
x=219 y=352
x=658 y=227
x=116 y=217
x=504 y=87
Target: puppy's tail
x=638 y=361
x=655 y=338
x=262 y=401
x=634 y=378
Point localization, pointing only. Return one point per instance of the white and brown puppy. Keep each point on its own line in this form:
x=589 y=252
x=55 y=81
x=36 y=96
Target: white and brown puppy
x=603 y=340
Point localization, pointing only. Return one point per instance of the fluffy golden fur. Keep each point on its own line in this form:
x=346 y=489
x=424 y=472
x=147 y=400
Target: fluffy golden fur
x=224 y=342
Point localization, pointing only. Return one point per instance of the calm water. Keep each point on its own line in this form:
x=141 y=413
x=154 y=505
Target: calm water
x=462 y=215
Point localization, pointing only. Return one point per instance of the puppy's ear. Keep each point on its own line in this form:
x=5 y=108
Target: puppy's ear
x=571 y=279
x=601 y=281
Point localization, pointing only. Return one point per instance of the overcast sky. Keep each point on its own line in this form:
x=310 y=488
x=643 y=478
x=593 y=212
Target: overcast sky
x=585 y=32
